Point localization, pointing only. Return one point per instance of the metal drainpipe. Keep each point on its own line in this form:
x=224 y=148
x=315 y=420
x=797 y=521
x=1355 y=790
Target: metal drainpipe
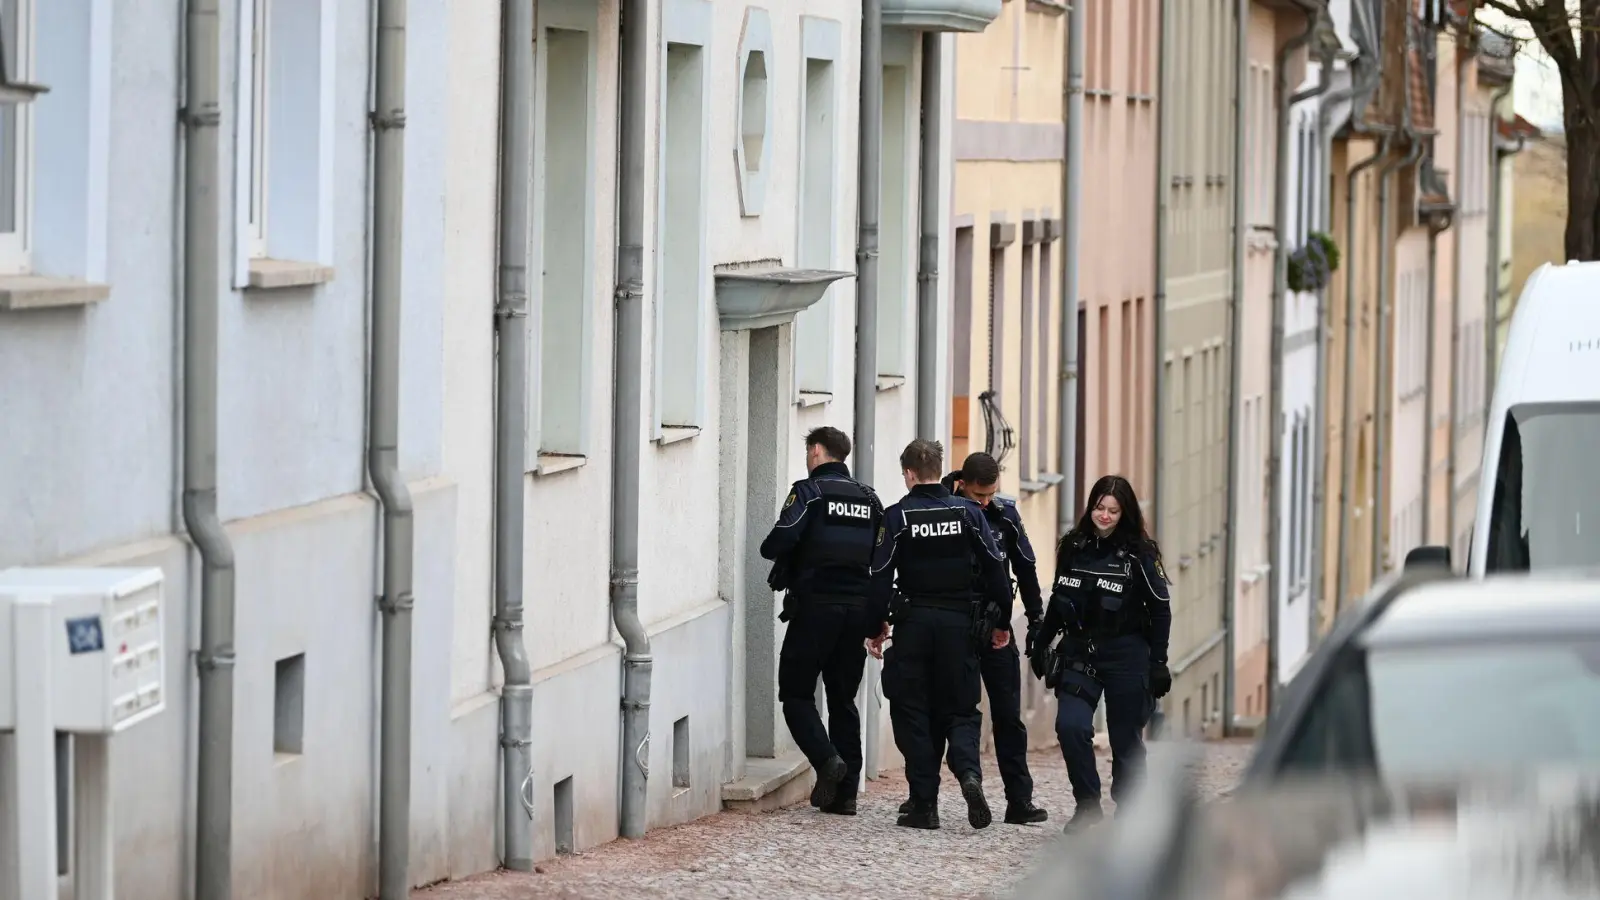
x=626 y=428
x=1427 y=398
x=202 y=217
x=1230 y=562
x=1071 y=201
x=1455 y=318
x=517 y=34
x=928 y=260
x=383 y=455
x=869 y=161
x=1381 y=387
x=1280 y=294
x=1492 y=287
x=1347 y=469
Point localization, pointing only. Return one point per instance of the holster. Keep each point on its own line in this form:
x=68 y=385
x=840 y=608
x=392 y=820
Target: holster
x=791 y=605
x=984 y=614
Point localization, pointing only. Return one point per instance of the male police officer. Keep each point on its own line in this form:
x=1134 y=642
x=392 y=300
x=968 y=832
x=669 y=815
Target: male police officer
x=978 y=480
x=824 y=536
x=952 y=578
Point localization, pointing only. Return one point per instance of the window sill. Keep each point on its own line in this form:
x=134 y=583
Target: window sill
x=1033 y=487
x=551 y=463
x=890 y=382
x=813 y=398
x=277 y=274
x=1048 y=7
x=19 y=292
x=1050 y=478
x=672 y=434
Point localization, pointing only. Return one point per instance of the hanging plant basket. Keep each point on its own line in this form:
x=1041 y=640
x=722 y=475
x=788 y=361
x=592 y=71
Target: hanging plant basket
x=1311 y=266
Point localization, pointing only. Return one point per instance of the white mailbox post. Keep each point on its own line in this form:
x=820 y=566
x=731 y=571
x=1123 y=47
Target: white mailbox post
x=87 y=658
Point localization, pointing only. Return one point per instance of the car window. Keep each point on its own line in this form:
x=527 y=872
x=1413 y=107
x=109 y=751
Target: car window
x=1546 y=489
x=1455 y=709
x=1473 y=706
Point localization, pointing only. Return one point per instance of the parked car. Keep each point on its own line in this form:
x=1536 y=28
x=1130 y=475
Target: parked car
x=1443 y=676
x=1337 y=837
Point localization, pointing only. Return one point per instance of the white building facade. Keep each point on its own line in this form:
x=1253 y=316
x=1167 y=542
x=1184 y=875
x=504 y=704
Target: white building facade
x=751 y=165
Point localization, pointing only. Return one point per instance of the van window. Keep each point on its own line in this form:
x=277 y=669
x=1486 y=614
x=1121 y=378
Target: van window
x=1546 y=511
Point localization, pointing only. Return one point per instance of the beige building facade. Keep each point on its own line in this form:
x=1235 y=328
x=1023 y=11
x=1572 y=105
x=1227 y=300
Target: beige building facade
x=1190 y=513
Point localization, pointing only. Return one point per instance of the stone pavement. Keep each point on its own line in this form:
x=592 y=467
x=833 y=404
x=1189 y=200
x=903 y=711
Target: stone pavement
x=801 y=853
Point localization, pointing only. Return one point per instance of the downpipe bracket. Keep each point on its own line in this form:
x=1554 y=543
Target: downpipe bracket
x=208 y=116
x=390 y=121
x=210 y=662
x=403 y=602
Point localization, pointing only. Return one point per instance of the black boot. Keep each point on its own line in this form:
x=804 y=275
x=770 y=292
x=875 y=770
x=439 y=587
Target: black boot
x=907 y=806
x=828 y=777
x=1087 y=813
x=1024 y=813
x=842 y=805
x=920 y=815
x=978 y=815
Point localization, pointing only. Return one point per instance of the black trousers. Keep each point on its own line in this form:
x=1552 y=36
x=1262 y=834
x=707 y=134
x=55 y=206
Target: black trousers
x=1002 y=680
x=824 y=639
x=931 y=680
x=1122 y=675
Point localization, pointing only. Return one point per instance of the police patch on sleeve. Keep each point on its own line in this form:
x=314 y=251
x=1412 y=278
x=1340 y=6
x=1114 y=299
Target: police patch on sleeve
x=789 y=502
x=880 y=535
x=1162 y=572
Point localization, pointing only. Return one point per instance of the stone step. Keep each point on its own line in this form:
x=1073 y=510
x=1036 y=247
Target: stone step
x=770 y=784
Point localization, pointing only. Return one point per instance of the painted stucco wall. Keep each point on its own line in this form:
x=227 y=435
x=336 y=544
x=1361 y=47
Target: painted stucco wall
x=293 y=385
x=1191 y=515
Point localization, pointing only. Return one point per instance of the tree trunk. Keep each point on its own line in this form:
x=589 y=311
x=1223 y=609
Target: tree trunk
x=1583 y=187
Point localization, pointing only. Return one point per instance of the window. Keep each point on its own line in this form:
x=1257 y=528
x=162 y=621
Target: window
x=1130 y=404
x=1293 y=531
x=753 y=150
x=1047 y=275
x=680 y=309
x=564 y=207
x=1102 y=352
x=997 y=316
x=1543 y=489
x=961 y=344
x=1025 y=419
x=284 y=170
x=818 y=232
x=899 y=177
x=16 y=141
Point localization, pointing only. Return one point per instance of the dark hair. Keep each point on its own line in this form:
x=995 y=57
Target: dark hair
x=833 y=441
x=924 y=458
x=1130 y=531
x=980 y=469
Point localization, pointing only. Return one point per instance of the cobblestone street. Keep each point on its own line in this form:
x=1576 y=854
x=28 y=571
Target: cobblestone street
x=800 y=853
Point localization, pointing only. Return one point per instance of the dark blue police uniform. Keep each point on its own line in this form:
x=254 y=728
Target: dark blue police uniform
x=825 y=533
x=1113 y=610
x=937 y=554
x=1002 y=669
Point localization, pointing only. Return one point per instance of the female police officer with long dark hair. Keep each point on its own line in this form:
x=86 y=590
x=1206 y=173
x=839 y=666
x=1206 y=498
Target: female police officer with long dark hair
x=1112 y=610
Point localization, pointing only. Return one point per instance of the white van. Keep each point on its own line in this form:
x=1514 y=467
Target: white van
x=1539 y=495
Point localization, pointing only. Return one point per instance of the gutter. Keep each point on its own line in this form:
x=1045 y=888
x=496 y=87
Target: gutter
x=627 y=432
x=1071 y=200
x=383 y=455
x=928 y=395
x=869 y=171
x=1280 y=295
x=518 y=31
x=1230 y=564
x=1455 y=318
x=202 y=218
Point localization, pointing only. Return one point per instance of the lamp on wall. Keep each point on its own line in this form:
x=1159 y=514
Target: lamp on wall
x=12 y=91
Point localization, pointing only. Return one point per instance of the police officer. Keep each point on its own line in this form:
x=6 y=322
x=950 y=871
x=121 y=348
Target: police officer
x=824 y=539
x=1111 y=606
x=940 y=577
x=978 y=480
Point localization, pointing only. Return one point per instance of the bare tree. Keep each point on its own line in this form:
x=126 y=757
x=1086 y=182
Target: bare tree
x=1569 y=33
